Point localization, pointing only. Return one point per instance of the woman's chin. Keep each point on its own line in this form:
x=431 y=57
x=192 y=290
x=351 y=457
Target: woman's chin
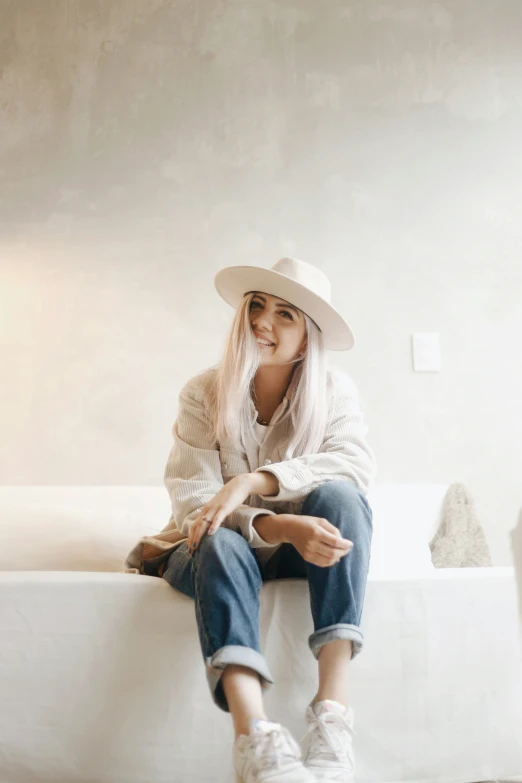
x=271 y=362
x=264 y=359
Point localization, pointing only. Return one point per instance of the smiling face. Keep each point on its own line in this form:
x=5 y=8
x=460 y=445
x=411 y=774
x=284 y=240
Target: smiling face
x=275 y=321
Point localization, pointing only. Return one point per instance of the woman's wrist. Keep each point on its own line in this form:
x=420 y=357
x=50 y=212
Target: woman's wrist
x=263 y=482
x=272 y=527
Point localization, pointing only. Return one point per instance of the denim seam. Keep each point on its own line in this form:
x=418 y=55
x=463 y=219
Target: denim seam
x=202 y=615
x=312 y=601
x=368 y=508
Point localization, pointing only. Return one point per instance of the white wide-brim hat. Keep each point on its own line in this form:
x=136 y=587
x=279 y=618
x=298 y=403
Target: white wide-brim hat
x=297 y=282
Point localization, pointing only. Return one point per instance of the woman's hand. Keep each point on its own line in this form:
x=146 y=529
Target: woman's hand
x=230 y=497
x=317 y=540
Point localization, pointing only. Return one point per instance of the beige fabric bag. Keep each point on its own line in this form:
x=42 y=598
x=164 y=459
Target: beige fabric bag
x=460 y=541
x=149 y=556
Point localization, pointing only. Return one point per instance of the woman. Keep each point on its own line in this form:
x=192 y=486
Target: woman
x=268 y=476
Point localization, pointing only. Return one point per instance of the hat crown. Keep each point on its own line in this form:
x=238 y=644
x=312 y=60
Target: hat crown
x=305 y=274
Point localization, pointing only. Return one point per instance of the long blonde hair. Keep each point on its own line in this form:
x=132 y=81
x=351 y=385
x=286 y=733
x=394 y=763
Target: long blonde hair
x=229 y=397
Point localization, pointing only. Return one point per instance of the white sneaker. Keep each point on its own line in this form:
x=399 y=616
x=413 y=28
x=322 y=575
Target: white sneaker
x=327 y=744
x=269 y=753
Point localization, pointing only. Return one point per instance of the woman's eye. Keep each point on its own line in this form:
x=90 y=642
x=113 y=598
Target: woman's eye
x=283 y=312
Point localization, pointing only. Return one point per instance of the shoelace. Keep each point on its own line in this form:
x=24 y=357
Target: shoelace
x=272 y=748
x=326 y=736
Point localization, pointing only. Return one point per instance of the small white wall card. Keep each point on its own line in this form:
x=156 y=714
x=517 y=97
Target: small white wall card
x=426 y=351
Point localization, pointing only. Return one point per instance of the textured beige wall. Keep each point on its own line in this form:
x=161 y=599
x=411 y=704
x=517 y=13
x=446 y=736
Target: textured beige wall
x=145 y=144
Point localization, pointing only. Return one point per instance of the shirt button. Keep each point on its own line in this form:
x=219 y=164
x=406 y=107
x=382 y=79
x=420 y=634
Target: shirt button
x=268 y=461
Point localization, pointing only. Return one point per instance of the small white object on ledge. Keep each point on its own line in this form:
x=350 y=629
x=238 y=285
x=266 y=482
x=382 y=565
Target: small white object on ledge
x=426 y=352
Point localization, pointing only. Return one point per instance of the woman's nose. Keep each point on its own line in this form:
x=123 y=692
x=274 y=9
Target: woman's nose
x=262 y=321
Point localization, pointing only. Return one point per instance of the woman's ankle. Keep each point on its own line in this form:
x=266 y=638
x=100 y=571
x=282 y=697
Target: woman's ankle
x=242 y=688
x=243 y=723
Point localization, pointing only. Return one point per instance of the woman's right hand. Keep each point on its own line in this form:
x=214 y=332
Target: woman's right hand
x=317 y=540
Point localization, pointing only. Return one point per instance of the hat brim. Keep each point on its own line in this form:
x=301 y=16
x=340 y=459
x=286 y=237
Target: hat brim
x=233 y=282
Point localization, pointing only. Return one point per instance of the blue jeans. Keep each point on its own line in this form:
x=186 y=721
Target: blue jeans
x=224 y=577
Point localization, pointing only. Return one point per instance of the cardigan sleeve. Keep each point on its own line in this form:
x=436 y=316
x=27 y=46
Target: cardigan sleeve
x=193 y=472
x=344 y=453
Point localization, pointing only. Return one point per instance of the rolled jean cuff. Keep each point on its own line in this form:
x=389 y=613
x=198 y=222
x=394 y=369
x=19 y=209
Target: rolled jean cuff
x=239 y=656
x=333 y=632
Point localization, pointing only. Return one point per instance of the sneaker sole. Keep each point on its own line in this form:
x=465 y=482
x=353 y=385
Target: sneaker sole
x=238 y=779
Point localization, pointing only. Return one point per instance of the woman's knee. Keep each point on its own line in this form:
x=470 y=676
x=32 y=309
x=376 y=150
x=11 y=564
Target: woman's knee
x=343 y=505
x=223 y=545
x=226 y=557
x=340 y=492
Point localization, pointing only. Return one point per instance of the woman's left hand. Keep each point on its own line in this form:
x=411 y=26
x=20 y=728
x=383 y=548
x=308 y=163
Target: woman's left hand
x=232 y=495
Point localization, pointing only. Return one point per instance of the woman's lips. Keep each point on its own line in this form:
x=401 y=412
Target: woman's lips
x=258 y=338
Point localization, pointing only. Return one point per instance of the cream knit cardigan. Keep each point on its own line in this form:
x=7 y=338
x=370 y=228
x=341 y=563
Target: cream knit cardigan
x=198 y=466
